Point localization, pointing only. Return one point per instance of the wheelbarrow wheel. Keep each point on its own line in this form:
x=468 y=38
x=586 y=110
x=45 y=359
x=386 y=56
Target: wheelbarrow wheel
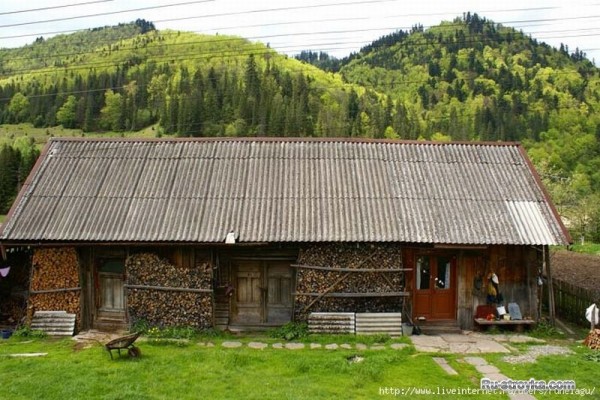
x=134 y=352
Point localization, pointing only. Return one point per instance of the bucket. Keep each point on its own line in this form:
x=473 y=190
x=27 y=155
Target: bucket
x=6 y=333
x=407 y=329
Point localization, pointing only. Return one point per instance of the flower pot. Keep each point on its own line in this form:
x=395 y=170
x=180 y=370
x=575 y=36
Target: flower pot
x=6 y=333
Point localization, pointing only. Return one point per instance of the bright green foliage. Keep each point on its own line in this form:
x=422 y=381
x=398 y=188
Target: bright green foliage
x=67 y=114
x=19 y=107
x=112 y=112
x=15 y=163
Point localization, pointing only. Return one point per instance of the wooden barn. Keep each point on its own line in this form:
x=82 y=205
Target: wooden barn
x=251 y=233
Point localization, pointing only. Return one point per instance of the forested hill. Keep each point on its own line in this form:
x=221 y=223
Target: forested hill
x=472 y=79
x=468 y=79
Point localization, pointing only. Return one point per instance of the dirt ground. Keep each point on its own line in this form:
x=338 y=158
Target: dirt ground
x=577 y=268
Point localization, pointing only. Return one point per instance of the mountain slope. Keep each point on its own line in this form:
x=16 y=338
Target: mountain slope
x=190 y=84
x=472 y=79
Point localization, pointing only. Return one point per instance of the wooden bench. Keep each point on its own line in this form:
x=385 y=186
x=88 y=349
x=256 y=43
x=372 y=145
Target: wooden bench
x=519 y=324
x=484 y=310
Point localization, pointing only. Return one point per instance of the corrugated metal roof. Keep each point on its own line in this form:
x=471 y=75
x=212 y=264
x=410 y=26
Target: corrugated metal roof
x=283 y=191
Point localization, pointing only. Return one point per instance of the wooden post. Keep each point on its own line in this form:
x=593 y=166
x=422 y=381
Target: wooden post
x=548 y=268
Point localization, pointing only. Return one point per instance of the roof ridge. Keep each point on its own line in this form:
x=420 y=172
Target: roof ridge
x=283 y=140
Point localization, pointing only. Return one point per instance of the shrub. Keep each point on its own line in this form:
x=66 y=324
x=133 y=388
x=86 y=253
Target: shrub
x=290 y=331
x=26 y=331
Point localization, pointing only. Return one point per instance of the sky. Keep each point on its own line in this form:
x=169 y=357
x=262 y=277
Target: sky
x=338 y=27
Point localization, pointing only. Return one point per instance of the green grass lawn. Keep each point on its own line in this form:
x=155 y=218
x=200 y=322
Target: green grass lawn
x=583 y=367
x=190 y=371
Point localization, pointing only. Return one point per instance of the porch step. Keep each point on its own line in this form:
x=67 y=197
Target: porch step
x=54 y=323
x=110 y=325
x=251 y=328
x=221 y=313
x=438 y=327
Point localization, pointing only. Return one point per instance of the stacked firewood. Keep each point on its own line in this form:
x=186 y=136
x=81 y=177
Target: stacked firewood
x=58 y=301
x=54 y=269
x=593 y=339
x=161 y=294
x=345 y=255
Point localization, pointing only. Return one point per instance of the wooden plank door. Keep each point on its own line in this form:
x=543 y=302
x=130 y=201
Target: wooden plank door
x=435 y=288
x=111 y=290
x=248 y=305
x=279 y=292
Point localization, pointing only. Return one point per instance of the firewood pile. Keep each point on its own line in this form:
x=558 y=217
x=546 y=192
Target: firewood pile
x=326 y=280
x=593 y=339
x=54 y=269
x=163 y=294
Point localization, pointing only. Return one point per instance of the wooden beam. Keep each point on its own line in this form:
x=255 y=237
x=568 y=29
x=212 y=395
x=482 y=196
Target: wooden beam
x=383 y=294
x=351 y=269
x=54 y=290
x=341 y=278
x=168 y=288
x=548 y=268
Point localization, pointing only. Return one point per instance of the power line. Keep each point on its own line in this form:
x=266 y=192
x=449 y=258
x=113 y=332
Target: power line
x=291 y=22
x=105 y=13
x=303 y=67
x=182 y=56
x=54 y=7
x=295 y=34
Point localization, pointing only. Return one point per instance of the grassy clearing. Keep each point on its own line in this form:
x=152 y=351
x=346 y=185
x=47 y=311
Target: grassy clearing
x=8 y=133
x=579 y=367
x=2 y=218
x=587 y=248
x=187 y=370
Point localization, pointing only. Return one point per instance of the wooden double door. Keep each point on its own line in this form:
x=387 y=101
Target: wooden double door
x=263 y=292
x=435 y=287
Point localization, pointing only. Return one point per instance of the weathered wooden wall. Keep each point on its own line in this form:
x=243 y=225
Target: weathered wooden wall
x=517 y=271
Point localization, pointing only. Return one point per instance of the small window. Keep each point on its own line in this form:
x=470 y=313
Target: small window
x=423 y=273
x=112 y=266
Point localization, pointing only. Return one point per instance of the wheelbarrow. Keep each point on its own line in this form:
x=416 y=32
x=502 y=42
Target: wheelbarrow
x=124 y=342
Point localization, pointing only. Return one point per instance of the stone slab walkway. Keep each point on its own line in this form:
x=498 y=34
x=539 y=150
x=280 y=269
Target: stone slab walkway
x=312 y=346
x=491 y=372
x=468 y=343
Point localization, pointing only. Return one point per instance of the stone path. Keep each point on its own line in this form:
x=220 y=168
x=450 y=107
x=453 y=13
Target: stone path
x=457 y=343
x=492 y=373
x=299 y=346
x=468 y=343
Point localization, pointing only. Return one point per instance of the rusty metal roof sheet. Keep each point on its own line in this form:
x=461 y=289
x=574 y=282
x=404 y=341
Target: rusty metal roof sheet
x=283 y=191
